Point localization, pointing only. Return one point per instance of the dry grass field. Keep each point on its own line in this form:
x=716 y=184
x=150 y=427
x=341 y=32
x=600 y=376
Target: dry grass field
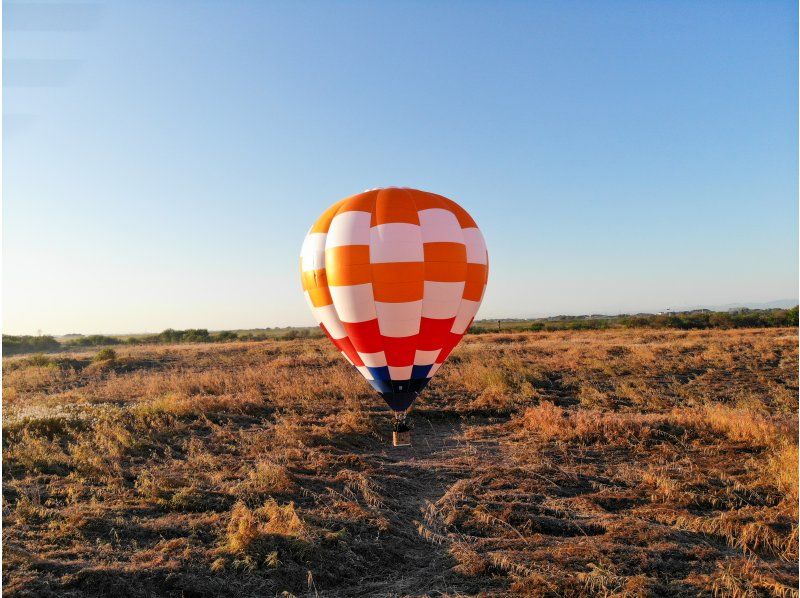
x=599 y=463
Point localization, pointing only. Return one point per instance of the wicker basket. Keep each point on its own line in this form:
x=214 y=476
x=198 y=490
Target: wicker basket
x=401 y=434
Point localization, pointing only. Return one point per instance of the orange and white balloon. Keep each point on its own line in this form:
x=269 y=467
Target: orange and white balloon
x=395 y=277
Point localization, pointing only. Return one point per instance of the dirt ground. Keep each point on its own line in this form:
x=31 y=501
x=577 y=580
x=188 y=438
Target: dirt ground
x=598 y=463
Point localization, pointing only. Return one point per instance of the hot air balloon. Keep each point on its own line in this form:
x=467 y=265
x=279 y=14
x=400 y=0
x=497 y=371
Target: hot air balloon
x=394 y=277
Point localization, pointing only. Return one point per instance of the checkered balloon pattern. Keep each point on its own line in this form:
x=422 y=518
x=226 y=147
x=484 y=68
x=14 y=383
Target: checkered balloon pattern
x=395 y=277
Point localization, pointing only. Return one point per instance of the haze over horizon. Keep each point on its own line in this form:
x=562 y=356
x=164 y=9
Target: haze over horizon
x=619 y=157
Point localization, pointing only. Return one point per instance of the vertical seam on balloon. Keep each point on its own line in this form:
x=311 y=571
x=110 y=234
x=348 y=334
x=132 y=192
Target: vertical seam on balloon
x=460 y=301
x=325 y=262
x=374 y=213
x=424 y=276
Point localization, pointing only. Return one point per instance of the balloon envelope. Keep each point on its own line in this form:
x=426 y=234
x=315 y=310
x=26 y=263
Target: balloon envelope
x=395 y=277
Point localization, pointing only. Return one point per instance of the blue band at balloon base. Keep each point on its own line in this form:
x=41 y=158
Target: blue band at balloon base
x=399 y=394
x=399 y=401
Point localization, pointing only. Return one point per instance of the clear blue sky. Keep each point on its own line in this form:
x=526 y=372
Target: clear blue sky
x=163 y=160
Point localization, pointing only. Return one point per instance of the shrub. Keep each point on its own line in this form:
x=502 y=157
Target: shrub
x=106 y=355
x=266 y=536
x=39 y=360
x=268 y=478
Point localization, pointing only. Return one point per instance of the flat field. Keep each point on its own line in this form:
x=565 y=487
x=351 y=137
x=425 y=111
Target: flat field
x=596 y=463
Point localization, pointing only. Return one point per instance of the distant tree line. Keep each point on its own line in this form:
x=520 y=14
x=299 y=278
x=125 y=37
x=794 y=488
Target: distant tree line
x=766 y=318
x=92 y=340
x=696 y=320
x=745 y=318
x=14 y=345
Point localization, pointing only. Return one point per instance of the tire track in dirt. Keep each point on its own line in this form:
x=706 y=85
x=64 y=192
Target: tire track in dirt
x=411 y=478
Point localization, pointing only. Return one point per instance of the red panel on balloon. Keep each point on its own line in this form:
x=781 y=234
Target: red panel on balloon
x=366 y=336
x=433 y=333
x=449 y=344
x=400 y=351
x=346 y=347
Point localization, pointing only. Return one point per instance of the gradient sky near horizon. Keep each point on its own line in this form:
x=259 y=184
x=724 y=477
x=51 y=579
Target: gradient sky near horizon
x=164 y=160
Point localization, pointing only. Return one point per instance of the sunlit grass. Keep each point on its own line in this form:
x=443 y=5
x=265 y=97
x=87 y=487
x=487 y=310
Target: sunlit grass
x=548 y=462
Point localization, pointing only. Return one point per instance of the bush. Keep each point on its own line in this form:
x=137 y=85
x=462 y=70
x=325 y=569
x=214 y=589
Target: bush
x=39 y=360
x=106 y=355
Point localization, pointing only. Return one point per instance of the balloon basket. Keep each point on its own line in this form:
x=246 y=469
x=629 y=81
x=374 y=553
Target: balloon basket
x=401 y=438
x=401 y=433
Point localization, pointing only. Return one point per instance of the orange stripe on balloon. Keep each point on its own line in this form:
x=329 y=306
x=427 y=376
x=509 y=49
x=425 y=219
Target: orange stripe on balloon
x=313 y=279
x=445 y=252
x=476 y=281
x=473 y=291
x=398 y=292
x=394 y=205
x=340 y=275
x=427 y=201
x=392 y=282
x=350 y=255
x=363 y=202
x=398 y=282
x=477 y=273
x=348 y=265
x=323 y=223
x=398 y=272
x=320 y=297
x=445 y=272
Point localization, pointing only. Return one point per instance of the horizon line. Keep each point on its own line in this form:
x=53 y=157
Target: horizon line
x=757 y=305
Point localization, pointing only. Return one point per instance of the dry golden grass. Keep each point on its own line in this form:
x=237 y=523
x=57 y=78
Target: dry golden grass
x=613 y=463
